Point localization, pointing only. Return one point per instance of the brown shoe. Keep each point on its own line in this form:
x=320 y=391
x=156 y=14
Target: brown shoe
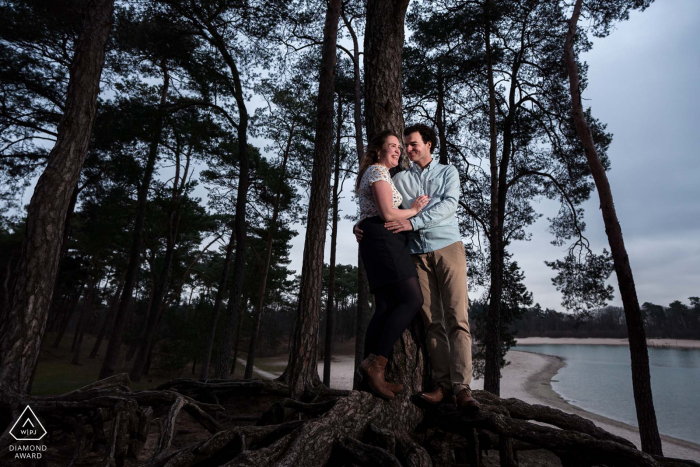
x=373 y=368
x=396 y=388
x=465 y=400
x=441 y=395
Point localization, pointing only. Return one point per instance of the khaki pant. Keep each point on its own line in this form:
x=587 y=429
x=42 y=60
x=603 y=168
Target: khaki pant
x=443 y=279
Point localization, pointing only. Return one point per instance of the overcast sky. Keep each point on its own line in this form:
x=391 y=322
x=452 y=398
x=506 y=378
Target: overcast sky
x=643 y=82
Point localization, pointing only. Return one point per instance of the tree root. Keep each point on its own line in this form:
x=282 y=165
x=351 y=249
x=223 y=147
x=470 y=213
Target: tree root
x=108 y=413
x=322 y=429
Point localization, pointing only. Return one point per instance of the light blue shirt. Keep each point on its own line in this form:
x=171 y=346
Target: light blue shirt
x=435 y=226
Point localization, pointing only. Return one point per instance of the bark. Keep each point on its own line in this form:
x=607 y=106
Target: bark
x=302 y=370
x=492 y=369
x=158 y=306
x=384 y=38
x=362 y=318
x=115 y=340
x=641 y=378
x=253 y=345
x=330 y=305
x=362 y=284
x=24 y=321
x=206 y=358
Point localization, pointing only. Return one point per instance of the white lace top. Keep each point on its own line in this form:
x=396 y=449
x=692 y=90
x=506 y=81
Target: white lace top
x=375 y=173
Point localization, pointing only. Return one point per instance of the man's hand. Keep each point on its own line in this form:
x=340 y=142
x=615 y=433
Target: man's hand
x=404 y=225
x=358 y=233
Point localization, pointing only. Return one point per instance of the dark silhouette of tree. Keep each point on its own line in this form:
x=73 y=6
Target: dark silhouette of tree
x=641 y=379
x=490 y=76
x=24 y=320
x=302 y=369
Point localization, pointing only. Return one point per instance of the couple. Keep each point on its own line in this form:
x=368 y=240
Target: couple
x=414 y=257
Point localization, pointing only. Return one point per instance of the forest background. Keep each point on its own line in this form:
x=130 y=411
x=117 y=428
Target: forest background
x=165 y=103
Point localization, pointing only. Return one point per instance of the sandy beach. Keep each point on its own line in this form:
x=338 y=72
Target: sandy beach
x=528 y=378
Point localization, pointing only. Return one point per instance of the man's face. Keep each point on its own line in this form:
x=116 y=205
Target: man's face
x=418 y=151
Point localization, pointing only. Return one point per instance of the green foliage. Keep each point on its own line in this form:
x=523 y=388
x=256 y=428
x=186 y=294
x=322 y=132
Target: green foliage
x=582 y=281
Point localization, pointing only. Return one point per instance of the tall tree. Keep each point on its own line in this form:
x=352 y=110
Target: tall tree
x=383 y=49
x=603 y=16
x=286 y=124
x=24 y=321
x=110 y=361
x=302 y=369
x=496 y=79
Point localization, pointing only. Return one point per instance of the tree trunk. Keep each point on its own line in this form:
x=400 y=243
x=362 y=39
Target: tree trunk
x=384 y=37
x=252 y=347
x=239 y=324
x=65 y=321
x=53 y=309
x=224 y=356
x=383 y=110
x=109 y=319
x=492 y=369
x=115 y=341
x=334 y=243
x=362 y=310
x=86 y=309
x=206 y=358
x=641 y=378
x=302 y=370
x=24 y=321
x=158 y=304
x=440 y=115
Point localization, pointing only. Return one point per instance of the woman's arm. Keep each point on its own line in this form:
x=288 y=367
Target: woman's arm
x=383 y=197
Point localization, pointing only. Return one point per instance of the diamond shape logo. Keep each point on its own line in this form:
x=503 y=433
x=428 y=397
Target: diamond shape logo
x=28 y=427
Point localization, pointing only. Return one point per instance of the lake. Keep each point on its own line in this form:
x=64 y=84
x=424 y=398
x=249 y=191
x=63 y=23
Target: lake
x=598 y=378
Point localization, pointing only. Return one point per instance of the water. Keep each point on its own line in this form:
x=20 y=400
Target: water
x=598 y=378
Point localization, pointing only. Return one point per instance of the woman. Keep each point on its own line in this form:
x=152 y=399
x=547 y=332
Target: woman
x=390 y=270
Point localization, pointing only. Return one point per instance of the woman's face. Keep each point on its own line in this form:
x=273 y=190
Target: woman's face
x=390 y=152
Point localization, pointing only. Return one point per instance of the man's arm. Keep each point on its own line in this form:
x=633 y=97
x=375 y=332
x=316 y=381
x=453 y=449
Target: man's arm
x=442 y=209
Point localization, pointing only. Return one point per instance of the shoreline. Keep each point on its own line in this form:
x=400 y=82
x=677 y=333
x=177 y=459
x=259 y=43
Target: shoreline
x=655 y=343
x=537 y=388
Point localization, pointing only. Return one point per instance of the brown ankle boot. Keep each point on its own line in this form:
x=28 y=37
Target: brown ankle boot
x=396 y=388
x=373 y=369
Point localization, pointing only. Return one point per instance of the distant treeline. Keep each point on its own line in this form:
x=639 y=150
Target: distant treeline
x=677 y=320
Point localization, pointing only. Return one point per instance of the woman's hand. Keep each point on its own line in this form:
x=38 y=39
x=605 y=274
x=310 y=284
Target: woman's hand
x=420 y=203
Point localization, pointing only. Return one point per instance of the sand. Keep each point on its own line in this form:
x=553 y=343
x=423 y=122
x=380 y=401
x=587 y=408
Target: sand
x=528 y=378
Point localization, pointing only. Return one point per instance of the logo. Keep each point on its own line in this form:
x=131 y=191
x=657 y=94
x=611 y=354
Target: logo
x=28 y=427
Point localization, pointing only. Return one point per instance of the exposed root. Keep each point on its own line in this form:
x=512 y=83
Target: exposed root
x=109 y=424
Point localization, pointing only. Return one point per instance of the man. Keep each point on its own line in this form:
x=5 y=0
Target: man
x=438 y=253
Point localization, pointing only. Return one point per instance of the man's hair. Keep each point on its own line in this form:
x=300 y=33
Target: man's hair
x=427 y=134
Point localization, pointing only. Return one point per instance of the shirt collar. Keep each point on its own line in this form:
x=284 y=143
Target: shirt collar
x=430 y=166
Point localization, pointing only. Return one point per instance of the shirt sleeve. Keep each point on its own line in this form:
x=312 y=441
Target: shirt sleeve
x=443 y=209
x=377 y=173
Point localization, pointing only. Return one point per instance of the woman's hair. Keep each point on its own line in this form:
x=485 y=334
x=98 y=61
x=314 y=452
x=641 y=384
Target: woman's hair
x=371 y=155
